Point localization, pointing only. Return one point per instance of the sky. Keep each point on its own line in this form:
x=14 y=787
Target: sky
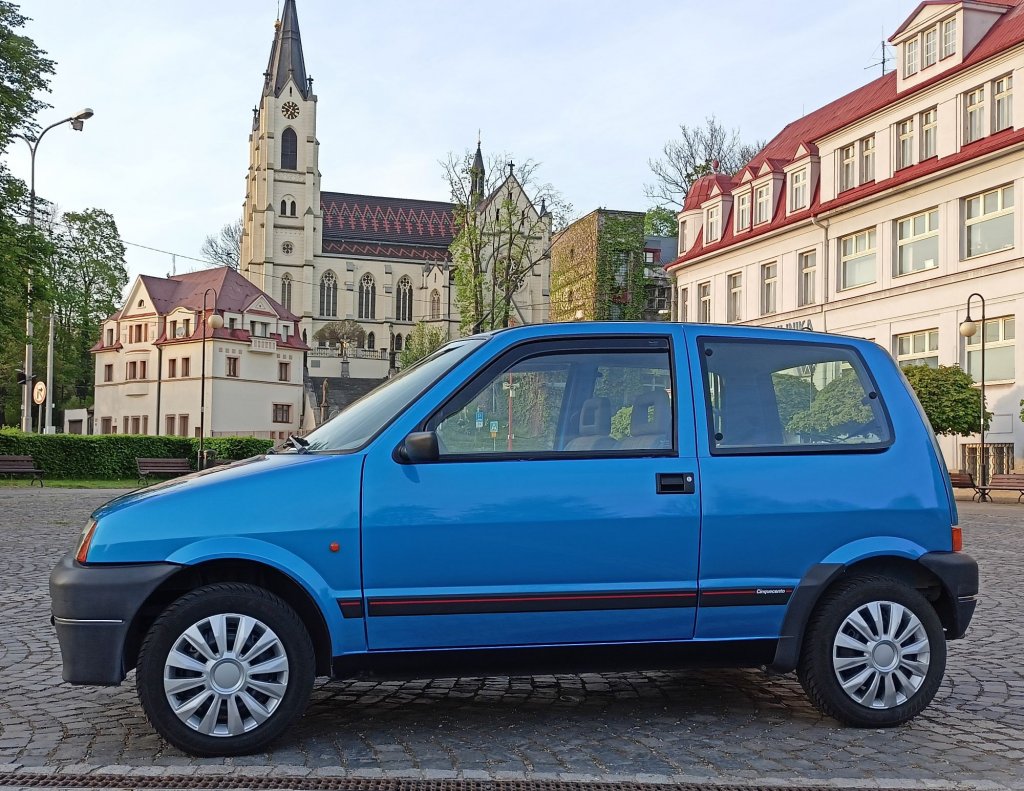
x=591 y=89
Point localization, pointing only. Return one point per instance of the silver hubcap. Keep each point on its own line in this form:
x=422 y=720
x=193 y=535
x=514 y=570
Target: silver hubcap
x=226 y=674
x=881 y=654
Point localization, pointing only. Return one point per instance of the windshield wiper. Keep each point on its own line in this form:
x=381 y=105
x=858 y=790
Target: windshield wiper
x=300 y=444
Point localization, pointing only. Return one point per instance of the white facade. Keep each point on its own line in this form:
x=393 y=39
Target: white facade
x=910 y=219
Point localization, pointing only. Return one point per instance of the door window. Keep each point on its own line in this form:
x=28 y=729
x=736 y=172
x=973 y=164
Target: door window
x=598 y=401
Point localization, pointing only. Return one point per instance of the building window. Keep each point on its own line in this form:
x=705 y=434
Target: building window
x=289 y=150
x=918 y=348
x=282 y=413
x=232 y=366
x=182 y=425
x=124 y=424
x=769 y=287
x=857 y=259
x=371 y=341
x=713 y=217
x=187 y=326
x=172 y=369
x=734 y=310
x=867 y=159
x=929 y=134
x=682 y=237
x=136 y=425
x=291 y=207
x=910 y=57
x=762 y=204
x=949 y=37
x=974 y=122
x=847 y=167
x=328 y=294
x=999 y=351
x=367 y=297
x=284 y=208
x=105 y=425
x=398 y=342
x=808 y=263
x=286 y=291
x=403 y=300
x=435 y=304
x=110 y=337
x=905 y=143
x=132 y=371
x=742 y=212
x=683 y=310
x=186 y=365
x=170 y=422
x=232 y=323
x=142 y=369
x=1002 y=104
x=108 y=372
x=917 y=242
x=989 y=221
x=704 y=303
x=172 y=332
x=798 y=190
x=930 y=54
x=259 y=329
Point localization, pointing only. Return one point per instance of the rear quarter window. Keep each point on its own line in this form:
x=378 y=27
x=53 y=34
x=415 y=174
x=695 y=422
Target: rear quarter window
x=790 y=397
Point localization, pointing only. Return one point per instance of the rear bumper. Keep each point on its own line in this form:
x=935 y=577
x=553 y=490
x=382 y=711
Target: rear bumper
x=959 y=576
x=93 y=608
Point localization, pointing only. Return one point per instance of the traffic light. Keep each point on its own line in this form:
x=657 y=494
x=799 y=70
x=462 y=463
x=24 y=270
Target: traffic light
x=22 y=378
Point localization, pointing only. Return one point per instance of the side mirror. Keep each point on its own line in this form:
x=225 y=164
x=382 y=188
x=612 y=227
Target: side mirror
x=420 y=446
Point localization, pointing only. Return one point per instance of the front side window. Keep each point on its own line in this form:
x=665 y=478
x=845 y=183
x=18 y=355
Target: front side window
x=763 y=204
x=1002 y=103
x=704 y=303
x=917 y=242
x=929 y=133
x=779 y=397
x=808 y=272
x=847 y=167
x=974 y=122
x=999 y=350
x=949 y=37
x=918 y=348
x=867 y=159
x=713 y=223
x=905 y=146
x=857 y=259
x=798 y=190
x=931 y=48
x=989 y=221
x=582 y=402
x=735 y=307
x=769 y=287
x=743 y=211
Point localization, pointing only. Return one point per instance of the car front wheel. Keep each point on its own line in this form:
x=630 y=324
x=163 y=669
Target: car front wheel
x=873 y=654
x=225 y=669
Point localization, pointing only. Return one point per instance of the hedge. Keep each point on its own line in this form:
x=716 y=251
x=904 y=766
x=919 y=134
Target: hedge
x=112 y=456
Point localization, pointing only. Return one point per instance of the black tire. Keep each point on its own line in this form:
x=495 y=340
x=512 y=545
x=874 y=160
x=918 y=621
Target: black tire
x=211 y=601
x=820 y=679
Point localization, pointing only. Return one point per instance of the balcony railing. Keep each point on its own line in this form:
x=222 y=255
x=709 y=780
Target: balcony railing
x=267 y=345
x=349 y=353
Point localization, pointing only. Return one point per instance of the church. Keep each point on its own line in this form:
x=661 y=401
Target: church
x=328 y=257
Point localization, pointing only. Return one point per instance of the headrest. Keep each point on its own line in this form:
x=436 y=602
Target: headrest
x=651 y=414
x=596 y=418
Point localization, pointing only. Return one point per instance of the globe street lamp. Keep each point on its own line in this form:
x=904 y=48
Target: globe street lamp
x=968 y=329
x=214 y=322
x=77 y=122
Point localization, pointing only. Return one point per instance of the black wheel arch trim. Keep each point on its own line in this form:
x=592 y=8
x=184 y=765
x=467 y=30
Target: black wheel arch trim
x=801 y=604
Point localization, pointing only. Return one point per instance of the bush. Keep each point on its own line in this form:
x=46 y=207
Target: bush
x=112 y=456
x=949 y=398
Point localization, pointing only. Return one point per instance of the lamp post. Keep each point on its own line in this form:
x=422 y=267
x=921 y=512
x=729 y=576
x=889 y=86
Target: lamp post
x=968 y=328
x=214 y=322
x=77 y=122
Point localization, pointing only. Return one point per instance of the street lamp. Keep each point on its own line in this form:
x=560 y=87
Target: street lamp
x=968 y=328
x=213 y=322
x=77 y=122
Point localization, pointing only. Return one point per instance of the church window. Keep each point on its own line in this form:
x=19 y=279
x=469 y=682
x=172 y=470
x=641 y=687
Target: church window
x=292 y=208
x=371 y=341
x=287 y=248
x=367 y=298
x=398 y=342
x=435 y=304
x=328 y=294
x=403 y=300
x=286 y=292
x=284 y=208
x=289 y=150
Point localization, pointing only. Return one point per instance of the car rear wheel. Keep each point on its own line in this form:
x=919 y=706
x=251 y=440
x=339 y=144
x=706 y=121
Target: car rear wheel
x=225 y=669
x=873 y=654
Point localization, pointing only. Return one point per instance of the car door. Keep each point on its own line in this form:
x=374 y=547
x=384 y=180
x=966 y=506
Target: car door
x=541 y=522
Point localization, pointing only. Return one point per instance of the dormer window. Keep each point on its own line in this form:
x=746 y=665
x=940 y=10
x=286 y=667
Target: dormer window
x=931 y=48
x=949 y=37
x=742 y=212
x=763 y=204
x=910 y=57
x=713 y=223
x=847 y=167
x=798 y=190
x=682 y=237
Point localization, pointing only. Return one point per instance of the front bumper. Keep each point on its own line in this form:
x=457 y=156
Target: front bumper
x=93 y=608
x=959 y=576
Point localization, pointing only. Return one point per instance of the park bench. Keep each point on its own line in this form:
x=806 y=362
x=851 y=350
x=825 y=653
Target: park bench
x=166 y=468
x=21 y=465
x=1007 y=482
x=964 y=480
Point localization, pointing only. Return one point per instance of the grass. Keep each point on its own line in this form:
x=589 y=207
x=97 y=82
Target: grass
x=127 y=483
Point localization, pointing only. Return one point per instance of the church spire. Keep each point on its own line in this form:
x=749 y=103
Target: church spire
x=286 y=59
x=476 y=189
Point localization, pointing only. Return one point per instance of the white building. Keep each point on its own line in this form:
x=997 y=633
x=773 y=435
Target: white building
x=149 y=357
x=879 y=214
x=331 y=256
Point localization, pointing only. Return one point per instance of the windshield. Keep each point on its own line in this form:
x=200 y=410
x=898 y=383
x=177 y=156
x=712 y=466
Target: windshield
x=359 y=422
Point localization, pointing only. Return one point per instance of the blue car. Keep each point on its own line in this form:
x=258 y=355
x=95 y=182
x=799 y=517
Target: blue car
x=555 y=498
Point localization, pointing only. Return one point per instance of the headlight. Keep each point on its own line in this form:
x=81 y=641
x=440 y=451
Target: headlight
x=84 y=540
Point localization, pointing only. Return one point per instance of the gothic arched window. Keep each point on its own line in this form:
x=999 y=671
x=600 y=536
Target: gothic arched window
x=371 y=341
x=293 y=208
x=328 y=294
x=435 y=304
x=289 y=150
x=398 y=343
x=286 y=291
x=367 y=298
x=284 y=208
x=403 y=300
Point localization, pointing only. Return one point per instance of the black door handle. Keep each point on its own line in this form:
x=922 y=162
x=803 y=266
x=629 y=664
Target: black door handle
x=676 y=483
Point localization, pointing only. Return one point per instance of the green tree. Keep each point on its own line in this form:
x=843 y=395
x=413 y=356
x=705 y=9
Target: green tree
x=224 y=248
x=839 y=405
x=346 y=331
x=949 y=398
x=793 y=395
x=421 y=342
x=659 y=221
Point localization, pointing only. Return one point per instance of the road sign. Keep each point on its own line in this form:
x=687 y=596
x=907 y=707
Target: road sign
x=479 y=418
x=494 y=429
x=39 y=392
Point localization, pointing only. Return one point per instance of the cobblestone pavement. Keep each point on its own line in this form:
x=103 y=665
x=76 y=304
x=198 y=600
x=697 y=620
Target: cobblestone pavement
x=722 y=725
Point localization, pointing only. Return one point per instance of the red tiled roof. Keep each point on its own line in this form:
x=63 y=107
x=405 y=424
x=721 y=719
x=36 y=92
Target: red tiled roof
x=383 y=224
x=233 y=292
x=916 y=11
x=701 y=189
x=1007 y=32
x=379 y=250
